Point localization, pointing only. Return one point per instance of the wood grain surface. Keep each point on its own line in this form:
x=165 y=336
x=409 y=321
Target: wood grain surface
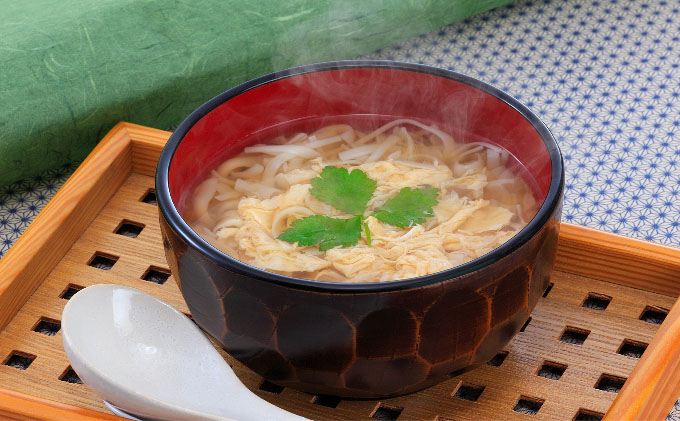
x=582 y=342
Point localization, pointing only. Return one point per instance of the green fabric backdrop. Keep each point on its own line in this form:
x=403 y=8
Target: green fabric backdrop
x=70 y=70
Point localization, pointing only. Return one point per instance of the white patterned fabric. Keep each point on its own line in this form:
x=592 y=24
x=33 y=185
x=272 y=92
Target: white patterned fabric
x=604 y=77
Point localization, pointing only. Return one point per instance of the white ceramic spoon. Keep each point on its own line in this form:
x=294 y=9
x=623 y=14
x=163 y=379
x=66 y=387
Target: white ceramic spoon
x=145 y=357
x=123 y=414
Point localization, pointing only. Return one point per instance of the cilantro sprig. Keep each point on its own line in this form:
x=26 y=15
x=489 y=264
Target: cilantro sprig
x=328 y=232
x=346 y=191
x=350 y=192
x=409 y=207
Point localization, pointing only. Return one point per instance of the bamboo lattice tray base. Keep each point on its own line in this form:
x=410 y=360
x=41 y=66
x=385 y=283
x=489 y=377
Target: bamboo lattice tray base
x=606 y=302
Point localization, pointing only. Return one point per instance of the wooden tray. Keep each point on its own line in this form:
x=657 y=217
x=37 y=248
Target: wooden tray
x=583 y=340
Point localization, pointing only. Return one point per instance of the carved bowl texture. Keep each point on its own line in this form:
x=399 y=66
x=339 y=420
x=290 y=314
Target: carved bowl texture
x=360 y=340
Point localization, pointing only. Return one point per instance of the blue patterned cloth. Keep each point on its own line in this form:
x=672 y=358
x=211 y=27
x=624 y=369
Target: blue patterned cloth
x=21 y=202
x=603 y=76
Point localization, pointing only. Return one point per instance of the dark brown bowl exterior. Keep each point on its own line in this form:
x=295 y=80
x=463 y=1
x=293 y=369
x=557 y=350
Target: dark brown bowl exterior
x=364 y=345
x=361 y=340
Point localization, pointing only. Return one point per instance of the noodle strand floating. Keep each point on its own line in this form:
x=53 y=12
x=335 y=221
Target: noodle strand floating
x=253 y=197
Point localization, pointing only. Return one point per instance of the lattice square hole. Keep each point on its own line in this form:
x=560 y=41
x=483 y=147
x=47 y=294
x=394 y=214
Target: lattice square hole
x=20 y=360
x=156 y=275
x=498 y=359
x=632 y=349
x=527 y=405
x=574 y=335
x=270 y=387
x=386 y=413
x=548 y=289
x=596 y=301
x=588 y=415
x=129 y=228
x=102 y=261
x=149 y=197
x=70 y=376
x=469 y=392
x=551 y=370
x=70 y=291
x=610 y=383
x=654 y=315
x=326 y=400
x=46 y=326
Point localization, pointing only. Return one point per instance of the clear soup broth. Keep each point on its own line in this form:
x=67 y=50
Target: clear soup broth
x=344 y=203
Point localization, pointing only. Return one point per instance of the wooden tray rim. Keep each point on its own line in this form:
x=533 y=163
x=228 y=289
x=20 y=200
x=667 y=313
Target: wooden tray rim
x=649 y=393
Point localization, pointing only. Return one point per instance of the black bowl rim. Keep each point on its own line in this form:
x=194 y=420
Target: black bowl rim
x=174 y=219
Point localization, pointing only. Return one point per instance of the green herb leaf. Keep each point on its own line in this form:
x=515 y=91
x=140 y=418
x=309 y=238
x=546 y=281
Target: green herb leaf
x=409 y=207
x=329 y=232
x=346 y=191
x=367 y=231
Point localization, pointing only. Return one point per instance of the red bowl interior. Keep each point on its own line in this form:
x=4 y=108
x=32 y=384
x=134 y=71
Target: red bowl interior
x=296 y=103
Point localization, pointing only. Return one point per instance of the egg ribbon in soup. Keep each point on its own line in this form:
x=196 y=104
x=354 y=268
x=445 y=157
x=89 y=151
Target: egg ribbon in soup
x=248 y=201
